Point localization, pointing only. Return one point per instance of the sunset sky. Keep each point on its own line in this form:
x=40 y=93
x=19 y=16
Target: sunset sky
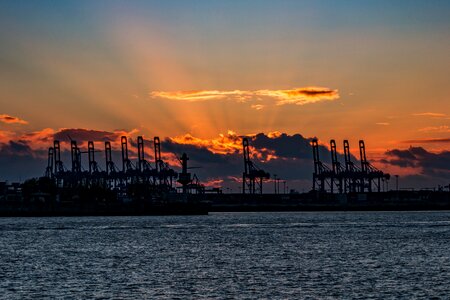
x=201 y=74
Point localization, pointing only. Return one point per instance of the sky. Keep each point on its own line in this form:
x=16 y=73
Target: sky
x=202 y=74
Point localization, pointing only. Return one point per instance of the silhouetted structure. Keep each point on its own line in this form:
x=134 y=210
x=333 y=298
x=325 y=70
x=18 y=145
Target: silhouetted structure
x=145 y=188
x=253 y=177
x=370 y=176
x=348 y=179
x=352 y=173
x=322 y=176
x=160 y=178
x=337 y=179
x=190 y=184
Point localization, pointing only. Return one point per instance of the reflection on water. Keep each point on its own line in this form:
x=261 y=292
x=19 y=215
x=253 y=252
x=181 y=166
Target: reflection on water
x=228 y=255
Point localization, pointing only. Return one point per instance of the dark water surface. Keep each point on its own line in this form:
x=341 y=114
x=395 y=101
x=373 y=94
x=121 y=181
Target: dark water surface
x=353 y=255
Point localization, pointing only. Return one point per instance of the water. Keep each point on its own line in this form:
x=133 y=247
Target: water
x=360 y=255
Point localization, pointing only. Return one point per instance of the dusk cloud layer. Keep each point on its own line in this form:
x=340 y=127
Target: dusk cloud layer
x=298 y=96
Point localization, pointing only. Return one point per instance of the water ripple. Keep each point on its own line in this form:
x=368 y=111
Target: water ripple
x=354 y=255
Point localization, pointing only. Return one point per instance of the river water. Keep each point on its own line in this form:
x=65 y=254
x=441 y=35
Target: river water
x=346 y=255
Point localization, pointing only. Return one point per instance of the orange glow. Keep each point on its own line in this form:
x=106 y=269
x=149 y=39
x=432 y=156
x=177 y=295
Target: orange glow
x=442 y=128
x=6 y=136
x=257 y=106
x=429 y=114
x=193 y=96
x=228 y=144
x=224 y=144
x=263 y=154
x=298 y=96
x=301 y=96
x=215 y=182
x=235 y=179
x=11 y=120
x=39 y=139
x=274 y=134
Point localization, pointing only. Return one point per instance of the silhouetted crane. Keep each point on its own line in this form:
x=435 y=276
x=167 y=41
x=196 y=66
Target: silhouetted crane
x=253 y=177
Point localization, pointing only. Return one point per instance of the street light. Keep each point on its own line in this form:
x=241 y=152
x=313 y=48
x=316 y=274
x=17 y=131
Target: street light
x=275 y=182
x=278 y=185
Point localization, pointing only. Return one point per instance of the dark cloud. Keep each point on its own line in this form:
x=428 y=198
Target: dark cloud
x=401 y=154
x=313 y=92
x=293 y=146
x=436 y=164
x=80 y=134
x=288 y=146
x=427 y=141
x=18 y=148
x=19 y=162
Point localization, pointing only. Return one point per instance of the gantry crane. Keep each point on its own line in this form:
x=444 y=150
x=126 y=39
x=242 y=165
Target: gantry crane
x=370 y=175
x=253 y=177
x=337 y=169
x=323 y=175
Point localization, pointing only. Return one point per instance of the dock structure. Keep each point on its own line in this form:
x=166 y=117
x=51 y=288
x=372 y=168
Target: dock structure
x=347 y=178
x=159 y=177
x=141 y=186
x=339 y=177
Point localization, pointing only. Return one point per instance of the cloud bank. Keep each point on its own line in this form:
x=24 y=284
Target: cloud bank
x=430 y=164
x=219 y=158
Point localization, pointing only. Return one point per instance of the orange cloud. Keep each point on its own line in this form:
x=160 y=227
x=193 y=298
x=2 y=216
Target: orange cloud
x=301 y=96
x=274 y=134
x=214 y=183
x=6 y=136
x=195 y=96
x=229 y=143
x=235 y=179
x=430 y=114
x=224 y=144
x=298 y=96
x=39 y=139
x=257 y=106
x=443 y=128
x=11 y=120
x=263 y=154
